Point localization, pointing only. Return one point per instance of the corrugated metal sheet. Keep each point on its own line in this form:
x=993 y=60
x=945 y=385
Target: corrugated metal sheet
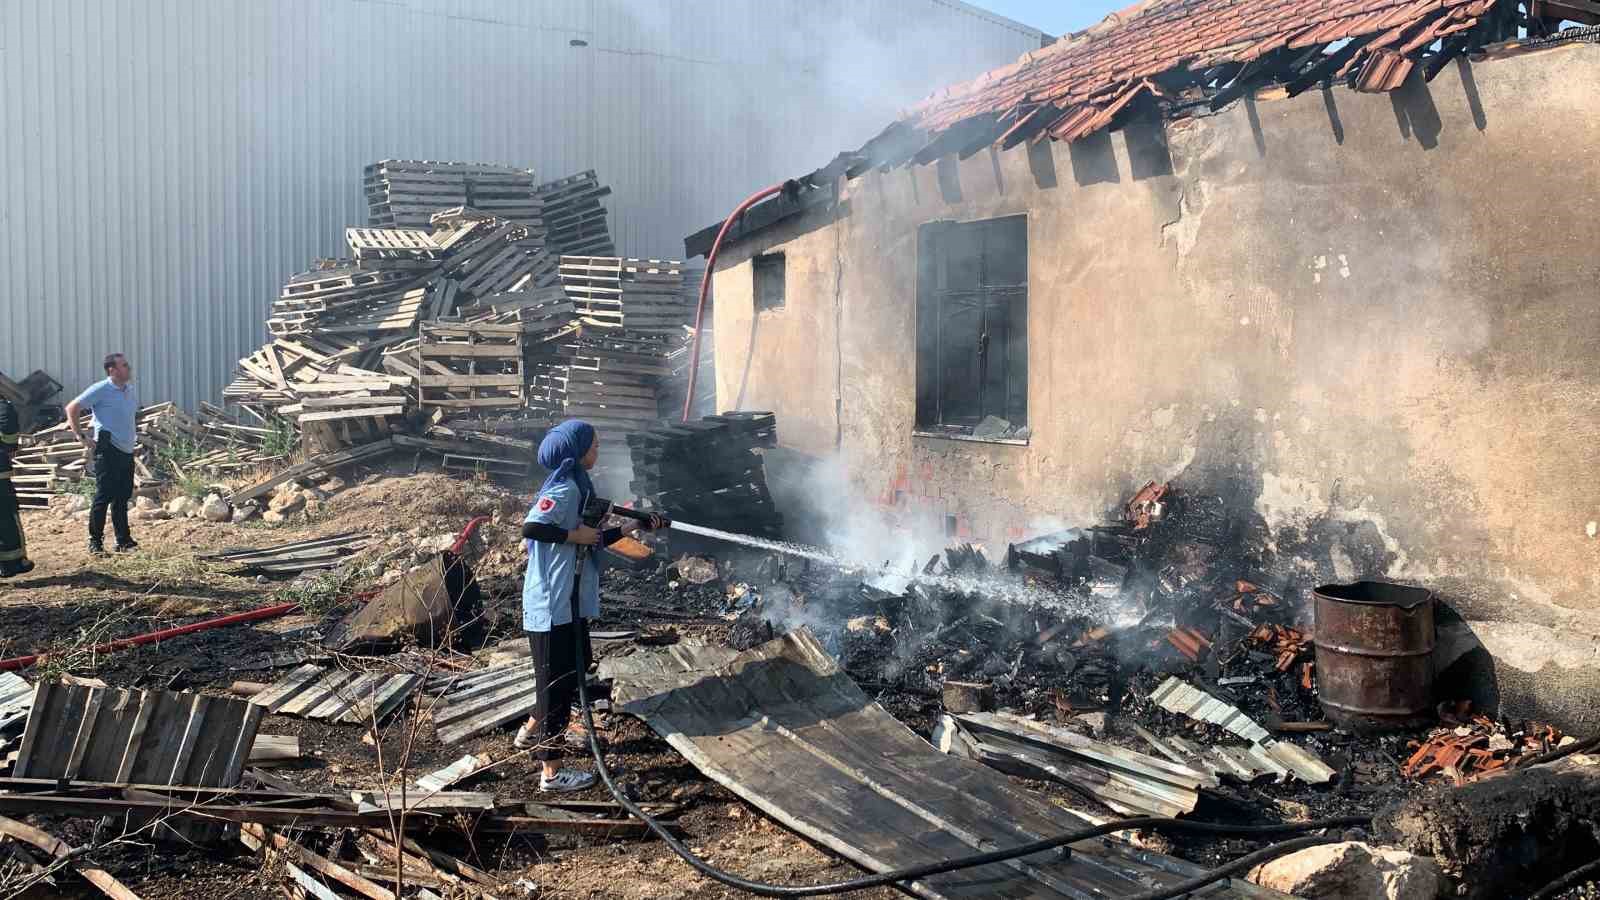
x=164 y=166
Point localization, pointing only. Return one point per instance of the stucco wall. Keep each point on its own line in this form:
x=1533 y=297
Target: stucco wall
x=1369 y=322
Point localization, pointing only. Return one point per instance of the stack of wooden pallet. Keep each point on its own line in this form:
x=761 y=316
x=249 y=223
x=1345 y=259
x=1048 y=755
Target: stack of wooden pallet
x=468 y=450
x=303 y=381
x=708 y=472
x=405 y=193
x=675 y=385
x=469 y=366
x=234 y=445
x=574 y=220
x=458 y=258
x=53 y=462
x=641 y=296
x=609 y=379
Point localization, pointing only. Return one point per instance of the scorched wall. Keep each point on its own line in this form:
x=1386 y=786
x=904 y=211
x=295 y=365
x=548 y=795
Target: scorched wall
x=1368 y=321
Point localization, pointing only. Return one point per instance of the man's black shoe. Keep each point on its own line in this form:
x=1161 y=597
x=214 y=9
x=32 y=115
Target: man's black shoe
x=127 y=545
x=96 y=548
x=14 y=568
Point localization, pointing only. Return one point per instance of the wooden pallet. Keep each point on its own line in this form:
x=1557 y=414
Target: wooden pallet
x=338 y=695
x=470 y=366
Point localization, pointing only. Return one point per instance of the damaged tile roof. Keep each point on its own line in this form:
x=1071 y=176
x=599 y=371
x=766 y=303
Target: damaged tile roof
x=1075 y=87
x=1171 y=57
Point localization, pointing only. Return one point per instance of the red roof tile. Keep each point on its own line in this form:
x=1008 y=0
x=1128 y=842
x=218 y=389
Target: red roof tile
x=1090 y=75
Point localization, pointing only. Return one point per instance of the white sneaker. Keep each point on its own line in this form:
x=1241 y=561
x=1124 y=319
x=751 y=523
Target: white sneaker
x=525 y=739
x=566 y=780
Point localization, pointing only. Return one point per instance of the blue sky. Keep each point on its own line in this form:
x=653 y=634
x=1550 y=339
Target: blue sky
x=1054 y=16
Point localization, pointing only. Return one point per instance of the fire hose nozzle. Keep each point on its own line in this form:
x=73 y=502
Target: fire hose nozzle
x=596 y=510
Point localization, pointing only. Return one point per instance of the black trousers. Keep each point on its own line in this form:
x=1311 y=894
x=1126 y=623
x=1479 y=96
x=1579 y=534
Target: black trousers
x=113 y=488
x=558 y=663
x=13 y=543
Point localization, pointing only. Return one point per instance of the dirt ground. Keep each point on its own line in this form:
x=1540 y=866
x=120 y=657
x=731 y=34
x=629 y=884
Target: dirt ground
x=72 y=601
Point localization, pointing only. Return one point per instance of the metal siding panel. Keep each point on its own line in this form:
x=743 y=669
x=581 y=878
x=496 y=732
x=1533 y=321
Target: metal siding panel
x=172 y=164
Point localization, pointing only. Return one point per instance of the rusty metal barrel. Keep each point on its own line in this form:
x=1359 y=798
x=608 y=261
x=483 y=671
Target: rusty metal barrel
x=1374 y=644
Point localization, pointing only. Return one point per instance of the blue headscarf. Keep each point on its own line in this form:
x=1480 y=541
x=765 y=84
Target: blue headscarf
x=560 y=451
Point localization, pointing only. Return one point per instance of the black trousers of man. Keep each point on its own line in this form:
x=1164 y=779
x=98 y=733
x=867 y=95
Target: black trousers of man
x=113 y=488
x=13 y=543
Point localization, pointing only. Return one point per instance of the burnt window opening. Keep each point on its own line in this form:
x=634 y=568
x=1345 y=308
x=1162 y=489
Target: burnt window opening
x=769 y=281
x=972 y=326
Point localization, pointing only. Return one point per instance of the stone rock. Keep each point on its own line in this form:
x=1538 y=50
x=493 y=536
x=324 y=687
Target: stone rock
x=151 y=514
x=272 y=517
x=145 y=504
x=334 y=485
x=245 y=513
x=1351 y=869
x=286 y=502
x=216 y=509
x=78 y=504
x=439 y=542
x=179 y=507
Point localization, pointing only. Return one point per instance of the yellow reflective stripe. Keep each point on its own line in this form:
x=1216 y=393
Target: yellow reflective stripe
x=5 y=476
x=10 y=438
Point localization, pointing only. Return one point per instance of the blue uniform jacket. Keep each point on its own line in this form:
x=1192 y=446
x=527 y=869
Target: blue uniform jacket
x=547 y=586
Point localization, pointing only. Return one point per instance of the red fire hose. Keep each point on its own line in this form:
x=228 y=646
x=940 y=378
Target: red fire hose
x=705 y=284
x=466 y=533
x=254 y=615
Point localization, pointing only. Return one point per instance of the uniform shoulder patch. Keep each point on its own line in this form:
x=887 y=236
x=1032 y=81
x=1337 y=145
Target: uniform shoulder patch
x=546 y=504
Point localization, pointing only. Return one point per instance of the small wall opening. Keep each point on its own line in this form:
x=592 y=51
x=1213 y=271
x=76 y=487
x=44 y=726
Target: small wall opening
x=769 y=281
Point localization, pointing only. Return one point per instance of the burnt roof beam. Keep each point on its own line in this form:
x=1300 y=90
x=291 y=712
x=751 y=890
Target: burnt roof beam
x=1323 y=70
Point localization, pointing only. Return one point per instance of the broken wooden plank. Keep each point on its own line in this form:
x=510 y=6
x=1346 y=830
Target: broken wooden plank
x=258 y=838
x=458 y=771
x=450 y=801
x=61 y=850
x=270 y=748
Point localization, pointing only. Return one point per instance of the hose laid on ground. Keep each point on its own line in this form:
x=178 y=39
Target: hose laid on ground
x=1576 y=877
x=1156 y=823
x=254 y=615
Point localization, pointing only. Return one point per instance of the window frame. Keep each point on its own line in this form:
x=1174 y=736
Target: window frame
x=986 y=295
x=767 y=262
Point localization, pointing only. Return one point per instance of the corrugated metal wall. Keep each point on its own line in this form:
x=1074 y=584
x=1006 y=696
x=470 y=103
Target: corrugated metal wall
x=165 y=165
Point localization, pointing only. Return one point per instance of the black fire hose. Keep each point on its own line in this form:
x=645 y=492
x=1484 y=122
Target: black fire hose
x=911 y=873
